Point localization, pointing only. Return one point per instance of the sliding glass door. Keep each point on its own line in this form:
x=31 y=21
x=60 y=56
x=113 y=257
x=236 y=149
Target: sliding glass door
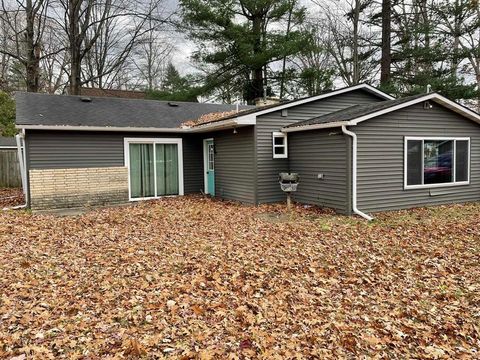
x=155 y=167
x=142 y=179
x=167 y=169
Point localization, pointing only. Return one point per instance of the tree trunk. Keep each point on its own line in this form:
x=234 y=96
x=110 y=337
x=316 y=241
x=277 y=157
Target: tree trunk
x=386 y=61
x=257 y=81
x=32 y=63
x=74 y=46
x=284 y=63
x=356 y=67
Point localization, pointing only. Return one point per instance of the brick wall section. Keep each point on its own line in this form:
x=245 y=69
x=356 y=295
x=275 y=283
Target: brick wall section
x=78 y=187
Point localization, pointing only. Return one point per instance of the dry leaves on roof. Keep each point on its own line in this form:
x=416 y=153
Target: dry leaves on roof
x=193 y=278
x=206 y=118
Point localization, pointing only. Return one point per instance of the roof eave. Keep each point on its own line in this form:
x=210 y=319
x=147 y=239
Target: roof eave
x=98 y=128
x=220 y=125
x=328 y=125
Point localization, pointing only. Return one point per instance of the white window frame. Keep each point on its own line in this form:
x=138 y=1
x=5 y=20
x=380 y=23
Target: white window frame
x=454 y=165
x=154 y=141
x=278 y=134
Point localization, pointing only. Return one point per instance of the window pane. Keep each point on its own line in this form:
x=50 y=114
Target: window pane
x=167 y=169
x=141 y=170
x=438 y=161
x=414 y=162
x=279 y=150
x=278 y=140
x=211 y=157
x=461 y=160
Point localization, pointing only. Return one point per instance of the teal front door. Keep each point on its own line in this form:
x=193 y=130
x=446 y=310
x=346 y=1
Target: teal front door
x=210 y=166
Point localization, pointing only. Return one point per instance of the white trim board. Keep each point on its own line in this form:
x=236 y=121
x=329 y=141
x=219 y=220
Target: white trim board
x=226 y=124
x=178 y=141
x=469 y=114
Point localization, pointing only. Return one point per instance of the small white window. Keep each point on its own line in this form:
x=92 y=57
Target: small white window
x=279 y=145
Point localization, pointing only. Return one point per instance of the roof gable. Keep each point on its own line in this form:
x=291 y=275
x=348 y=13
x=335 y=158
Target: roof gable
x=249 y=116
x=356 y=114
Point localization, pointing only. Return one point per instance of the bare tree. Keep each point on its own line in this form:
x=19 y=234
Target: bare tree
x=105 y=32
x=26 y=25
x=153 y=52
x=352 y=44
x=54 y=68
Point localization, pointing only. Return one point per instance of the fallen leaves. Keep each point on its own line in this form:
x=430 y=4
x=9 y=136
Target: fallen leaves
x=10 y=197
x=194 y=278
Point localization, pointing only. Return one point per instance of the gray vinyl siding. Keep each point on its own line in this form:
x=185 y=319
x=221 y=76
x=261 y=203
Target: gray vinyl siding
x=235 y=165
x=321 y=152
x=381 y=158
x=68 y=149
x=268 y=167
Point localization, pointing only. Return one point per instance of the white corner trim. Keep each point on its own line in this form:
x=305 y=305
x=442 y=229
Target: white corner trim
x=126 y=149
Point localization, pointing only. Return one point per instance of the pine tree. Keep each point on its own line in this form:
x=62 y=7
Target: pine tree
x=176 y=87
x=240 y=38
x=422 y=54
x=7 y=115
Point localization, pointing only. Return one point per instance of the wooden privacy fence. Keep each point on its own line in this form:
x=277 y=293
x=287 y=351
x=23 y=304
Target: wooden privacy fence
x=9 y=169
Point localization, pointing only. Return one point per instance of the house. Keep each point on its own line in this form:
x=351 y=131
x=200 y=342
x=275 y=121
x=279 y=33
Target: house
x=357 y=150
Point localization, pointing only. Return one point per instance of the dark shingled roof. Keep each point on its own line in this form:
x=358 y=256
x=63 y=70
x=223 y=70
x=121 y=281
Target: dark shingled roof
x=125 y=94
x=44 y=109
x=354 y=112
x=7 y=141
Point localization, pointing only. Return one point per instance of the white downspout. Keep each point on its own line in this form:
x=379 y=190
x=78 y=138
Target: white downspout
x=354 y=174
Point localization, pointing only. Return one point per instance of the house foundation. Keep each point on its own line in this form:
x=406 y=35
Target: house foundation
x=77 y=187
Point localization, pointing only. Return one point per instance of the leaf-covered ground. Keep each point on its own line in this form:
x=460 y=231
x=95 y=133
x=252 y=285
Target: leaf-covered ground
x=11 y=197
x=194 y=278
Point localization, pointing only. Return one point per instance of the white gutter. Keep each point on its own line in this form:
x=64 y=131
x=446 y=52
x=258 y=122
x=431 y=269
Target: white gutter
x=354 y=174
x=217 y=125
x=316 y=126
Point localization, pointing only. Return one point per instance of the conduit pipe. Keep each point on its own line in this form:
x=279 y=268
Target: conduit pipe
x=354 y=174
